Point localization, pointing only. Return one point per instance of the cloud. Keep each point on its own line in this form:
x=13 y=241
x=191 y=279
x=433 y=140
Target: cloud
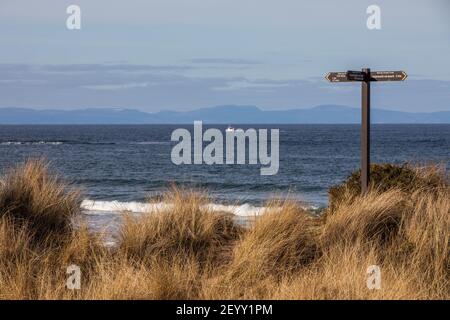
x=155 y=88
x=215 y=61
x=123 y=86
x=246 y=84
x=114 y=68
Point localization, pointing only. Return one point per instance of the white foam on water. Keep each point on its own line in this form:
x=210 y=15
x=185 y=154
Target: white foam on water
x=243 y=210
x=99 y=207
x=108 y=207
x=151 y=142
x=30 y=143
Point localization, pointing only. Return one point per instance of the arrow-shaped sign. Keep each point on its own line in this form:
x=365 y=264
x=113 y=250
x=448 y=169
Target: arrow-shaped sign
x=350 y=76
x=337 y=77
x=388 y=76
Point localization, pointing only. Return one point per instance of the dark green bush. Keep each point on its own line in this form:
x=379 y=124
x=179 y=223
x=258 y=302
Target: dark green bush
x=387 y=176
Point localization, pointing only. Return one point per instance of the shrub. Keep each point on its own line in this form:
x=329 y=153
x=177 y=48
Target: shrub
x=281 y=242
x=185 y=228
x=31 y=197
x=384 y=177
x=374 y=219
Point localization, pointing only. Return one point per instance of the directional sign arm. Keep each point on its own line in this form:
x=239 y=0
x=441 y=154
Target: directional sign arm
x=388 y=76
x=337 y=77
x=351 y=76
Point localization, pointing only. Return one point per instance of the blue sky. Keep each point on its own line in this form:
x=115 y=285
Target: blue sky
x=185 y=54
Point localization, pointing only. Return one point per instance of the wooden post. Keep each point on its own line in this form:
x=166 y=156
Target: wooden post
x=365 y=131
x=365 y=76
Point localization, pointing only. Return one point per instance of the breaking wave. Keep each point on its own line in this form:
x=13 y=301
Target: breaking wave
x=93 y=207
x=29 y=143
x=75 y=142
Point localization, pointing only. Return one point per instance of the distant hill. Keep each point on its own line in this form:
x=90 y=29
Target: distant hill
x=229 y=114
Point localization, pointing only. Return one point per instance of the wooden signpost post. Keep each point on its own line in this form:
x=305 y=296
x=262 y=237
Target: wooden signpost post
x=365 y=76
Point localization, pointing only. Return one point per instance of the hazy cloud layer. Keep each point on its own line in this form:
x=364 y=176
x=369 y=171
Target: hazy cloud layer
x=215 y=61
x=154 y=88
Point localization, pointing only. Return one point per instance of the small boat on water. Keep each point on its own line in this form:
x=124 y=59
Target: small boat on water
x=230 y=129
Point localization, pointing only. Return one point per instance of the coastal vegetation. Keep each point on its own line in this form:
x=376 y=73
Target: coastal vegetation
x=187 y=251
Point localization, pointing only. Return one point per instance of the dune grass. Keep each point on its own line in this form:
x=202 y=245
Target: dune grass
x=188 y=252
x=32 y=198
x=187 y=229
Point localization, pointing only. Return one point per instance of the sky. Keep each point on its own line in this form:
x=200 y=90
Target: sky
x=186 y=54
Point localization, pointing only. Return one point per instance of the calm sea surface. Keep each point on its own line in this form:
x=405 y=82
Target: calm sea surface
x=128 y=164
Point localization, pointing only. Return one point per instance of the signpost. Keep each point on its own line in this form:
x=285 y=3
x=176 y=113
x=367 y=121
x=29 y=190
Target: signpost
x=365 y=76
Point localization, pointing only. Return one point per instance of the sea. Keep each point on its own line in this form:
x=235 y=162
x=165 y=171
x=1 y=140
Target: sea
x=128 y=167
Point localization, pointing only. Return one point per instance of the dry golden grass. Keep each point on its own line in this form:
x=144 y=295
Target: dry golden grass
x=279 y=244
x=189 y=252
x=186 y=229
x=31 y=197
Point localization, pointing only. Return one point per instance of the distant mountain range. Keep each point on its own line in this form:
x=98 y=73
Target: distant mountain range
x=229 y=114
